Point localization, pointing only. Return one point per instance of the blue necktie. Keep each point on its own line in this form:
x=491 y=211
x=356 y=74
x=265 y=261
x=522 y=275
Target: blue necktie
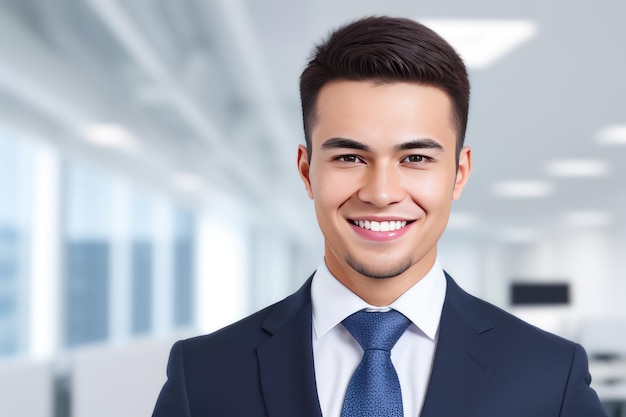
x=374 y=389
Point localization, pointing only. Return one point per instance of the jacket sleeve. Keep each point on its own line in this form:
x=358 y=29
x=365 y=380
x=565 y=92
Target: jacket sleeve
x=580 y=399
x=172 y=401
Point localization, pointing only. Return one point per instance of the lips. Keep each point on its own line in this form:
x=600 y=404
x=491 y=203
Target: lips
x=380 y=230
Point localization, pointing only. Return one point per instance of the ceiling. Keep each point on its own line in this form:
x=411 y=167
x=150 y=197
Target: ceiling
x=207 y=94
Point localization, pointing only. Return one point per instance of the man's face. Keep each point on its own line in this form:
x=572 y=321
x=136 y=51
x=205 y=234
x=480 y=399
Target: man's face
x=382 y=175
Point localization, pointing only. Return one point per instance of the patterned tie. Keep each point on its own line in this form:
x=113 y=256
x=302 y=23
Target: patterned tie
x=374 y=389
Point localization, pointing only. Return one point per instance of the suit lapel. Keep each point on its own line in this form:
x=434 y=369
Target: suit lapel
x=286 y=359
x=462 y=356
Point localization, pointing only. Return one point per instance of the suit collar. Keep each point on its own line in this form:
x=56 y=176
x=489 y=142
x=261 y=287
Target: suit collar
x=286 y=358
x=459 y=372
x=462 y=356
x=467 y=306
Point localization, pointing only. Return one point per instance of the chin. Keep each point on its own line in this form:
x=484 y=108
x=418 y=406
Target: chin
x=378 y=271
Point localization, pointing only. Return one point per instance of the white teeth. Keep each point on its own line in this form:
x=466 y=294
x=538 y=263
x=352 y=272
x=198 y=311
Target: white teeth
x=385 y=226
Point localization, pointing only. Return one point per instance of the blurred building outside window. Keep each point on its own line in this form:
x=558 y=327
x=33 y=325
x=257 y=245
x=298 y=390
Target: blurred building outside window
x=16 y=160
x=142 y=248
x=88 y=248
x=184 y=249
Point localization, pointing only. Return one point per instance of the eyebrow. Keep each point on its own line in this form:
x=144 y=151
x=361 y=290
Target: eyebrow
x=334 y=143
x=425 y=143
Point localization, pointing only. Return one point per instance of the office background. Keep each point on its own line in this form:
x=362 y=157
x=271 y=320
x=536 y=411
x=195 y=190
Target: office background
x=148 y=184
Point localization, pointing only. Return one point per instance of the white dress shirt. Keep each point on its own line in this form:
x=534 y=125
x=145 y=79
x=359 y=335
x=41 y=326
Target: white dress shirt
x=337 y=354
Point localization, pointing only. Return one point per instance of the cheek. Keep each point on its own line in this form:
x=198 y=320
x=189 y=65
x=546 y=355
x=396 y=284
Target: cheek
x=333 y=189
x=327 y=198
x=328 y=204
x=431 y=191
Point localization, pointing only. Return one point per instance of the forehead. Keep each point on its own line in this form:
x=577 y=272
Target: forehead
x=388 y=112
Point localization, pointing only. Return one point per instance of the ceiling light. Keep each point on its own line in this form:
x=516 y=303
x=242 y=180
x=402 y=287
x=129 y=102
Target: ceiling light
x=188 y=182
x=587 y=218
x=481 y=42
x=613 y=135
x=578 y=168
x=523 y=189
x=110 y=136
x=519 y=235
x=461 y=220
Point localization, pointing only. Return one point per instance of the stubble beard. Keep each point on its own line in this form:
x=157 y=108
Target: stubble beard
x=382 y=272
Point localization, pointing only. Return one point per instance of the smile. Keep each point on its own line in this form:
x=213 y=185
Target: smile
x=380 y=226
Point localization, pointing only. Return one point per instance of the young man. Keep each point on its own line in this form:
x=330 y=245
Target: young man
x=385 y=105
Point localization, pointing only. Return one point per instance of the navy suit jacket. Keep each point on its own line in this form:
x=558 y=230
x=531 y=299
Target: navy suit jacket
x=487 y=364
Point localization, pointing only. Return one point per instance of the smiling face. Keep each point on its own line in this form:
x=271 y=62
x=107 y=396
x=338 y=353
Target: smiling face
x=382 y=174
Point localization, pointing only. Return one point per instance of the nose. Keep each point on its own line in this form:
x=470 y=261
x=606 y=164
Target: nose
x=382 y=186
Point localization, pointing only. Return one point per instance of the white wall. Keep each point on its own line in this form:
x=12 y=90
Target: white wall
x=26 y=389
x=119 y=381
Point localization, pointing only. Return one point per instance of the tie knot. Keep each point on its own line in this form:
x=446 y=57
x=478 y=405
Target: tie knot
x=376 y=330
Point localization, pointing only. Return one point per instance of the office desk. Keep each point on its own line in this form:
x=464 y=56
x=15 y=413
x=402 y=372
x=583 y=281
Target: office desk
x=609 y=381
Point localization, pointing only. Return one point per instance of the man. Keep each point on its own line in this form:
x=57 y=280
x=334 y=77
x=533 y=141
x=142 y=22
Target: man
x=385 y=105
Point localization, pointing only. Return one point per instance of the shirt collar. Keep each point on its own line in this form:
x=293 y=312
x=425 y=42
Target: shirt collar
x=422 y=303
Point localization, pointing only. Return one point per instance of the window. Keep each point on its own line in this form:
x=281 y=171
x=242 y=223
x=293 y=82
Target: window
x=16 y=160
x=119 y=260
x=142 y=248
x=87 y=254
x=183 y=268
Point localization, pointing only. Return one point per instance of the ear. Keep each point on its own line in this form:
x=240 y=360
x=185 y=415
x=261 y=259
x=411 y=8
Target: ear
x=462 y=172
x=304 y=168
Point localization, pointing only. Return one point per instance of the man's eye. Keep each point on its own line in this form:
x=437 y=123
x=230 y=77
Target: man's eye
x=415 y=158
x=349 y=158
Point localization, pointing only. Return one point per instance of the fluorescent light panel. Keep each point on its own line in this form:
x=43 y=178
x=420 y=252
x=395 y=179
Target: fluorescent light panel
x=578 y=168
x=613 y=135
x=481 y=42
x=461 y=220
x=523 y=189
x=519 y=235
x=110 y=136
x=587 y=218
x=188 y=182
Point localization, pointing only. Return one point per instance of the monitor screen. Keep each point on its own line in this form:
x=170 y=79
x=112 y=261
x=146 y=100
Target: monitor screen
x=544 y=293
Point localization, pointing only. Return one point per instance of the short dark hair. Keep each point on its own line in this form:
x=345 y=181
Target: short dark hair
x=385 y=50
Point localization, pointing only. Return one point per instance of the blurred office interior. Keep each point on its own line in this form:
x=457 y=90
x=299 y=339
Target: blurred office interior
x=149 y=192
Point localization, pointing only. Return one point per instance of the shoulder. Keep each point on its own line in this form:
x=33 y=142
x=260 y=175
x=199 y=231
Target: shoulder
x=524 y=362
x=502 y=327
x=250 y=331
x=521 y=332
x=207 y=374
x=247 y=331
